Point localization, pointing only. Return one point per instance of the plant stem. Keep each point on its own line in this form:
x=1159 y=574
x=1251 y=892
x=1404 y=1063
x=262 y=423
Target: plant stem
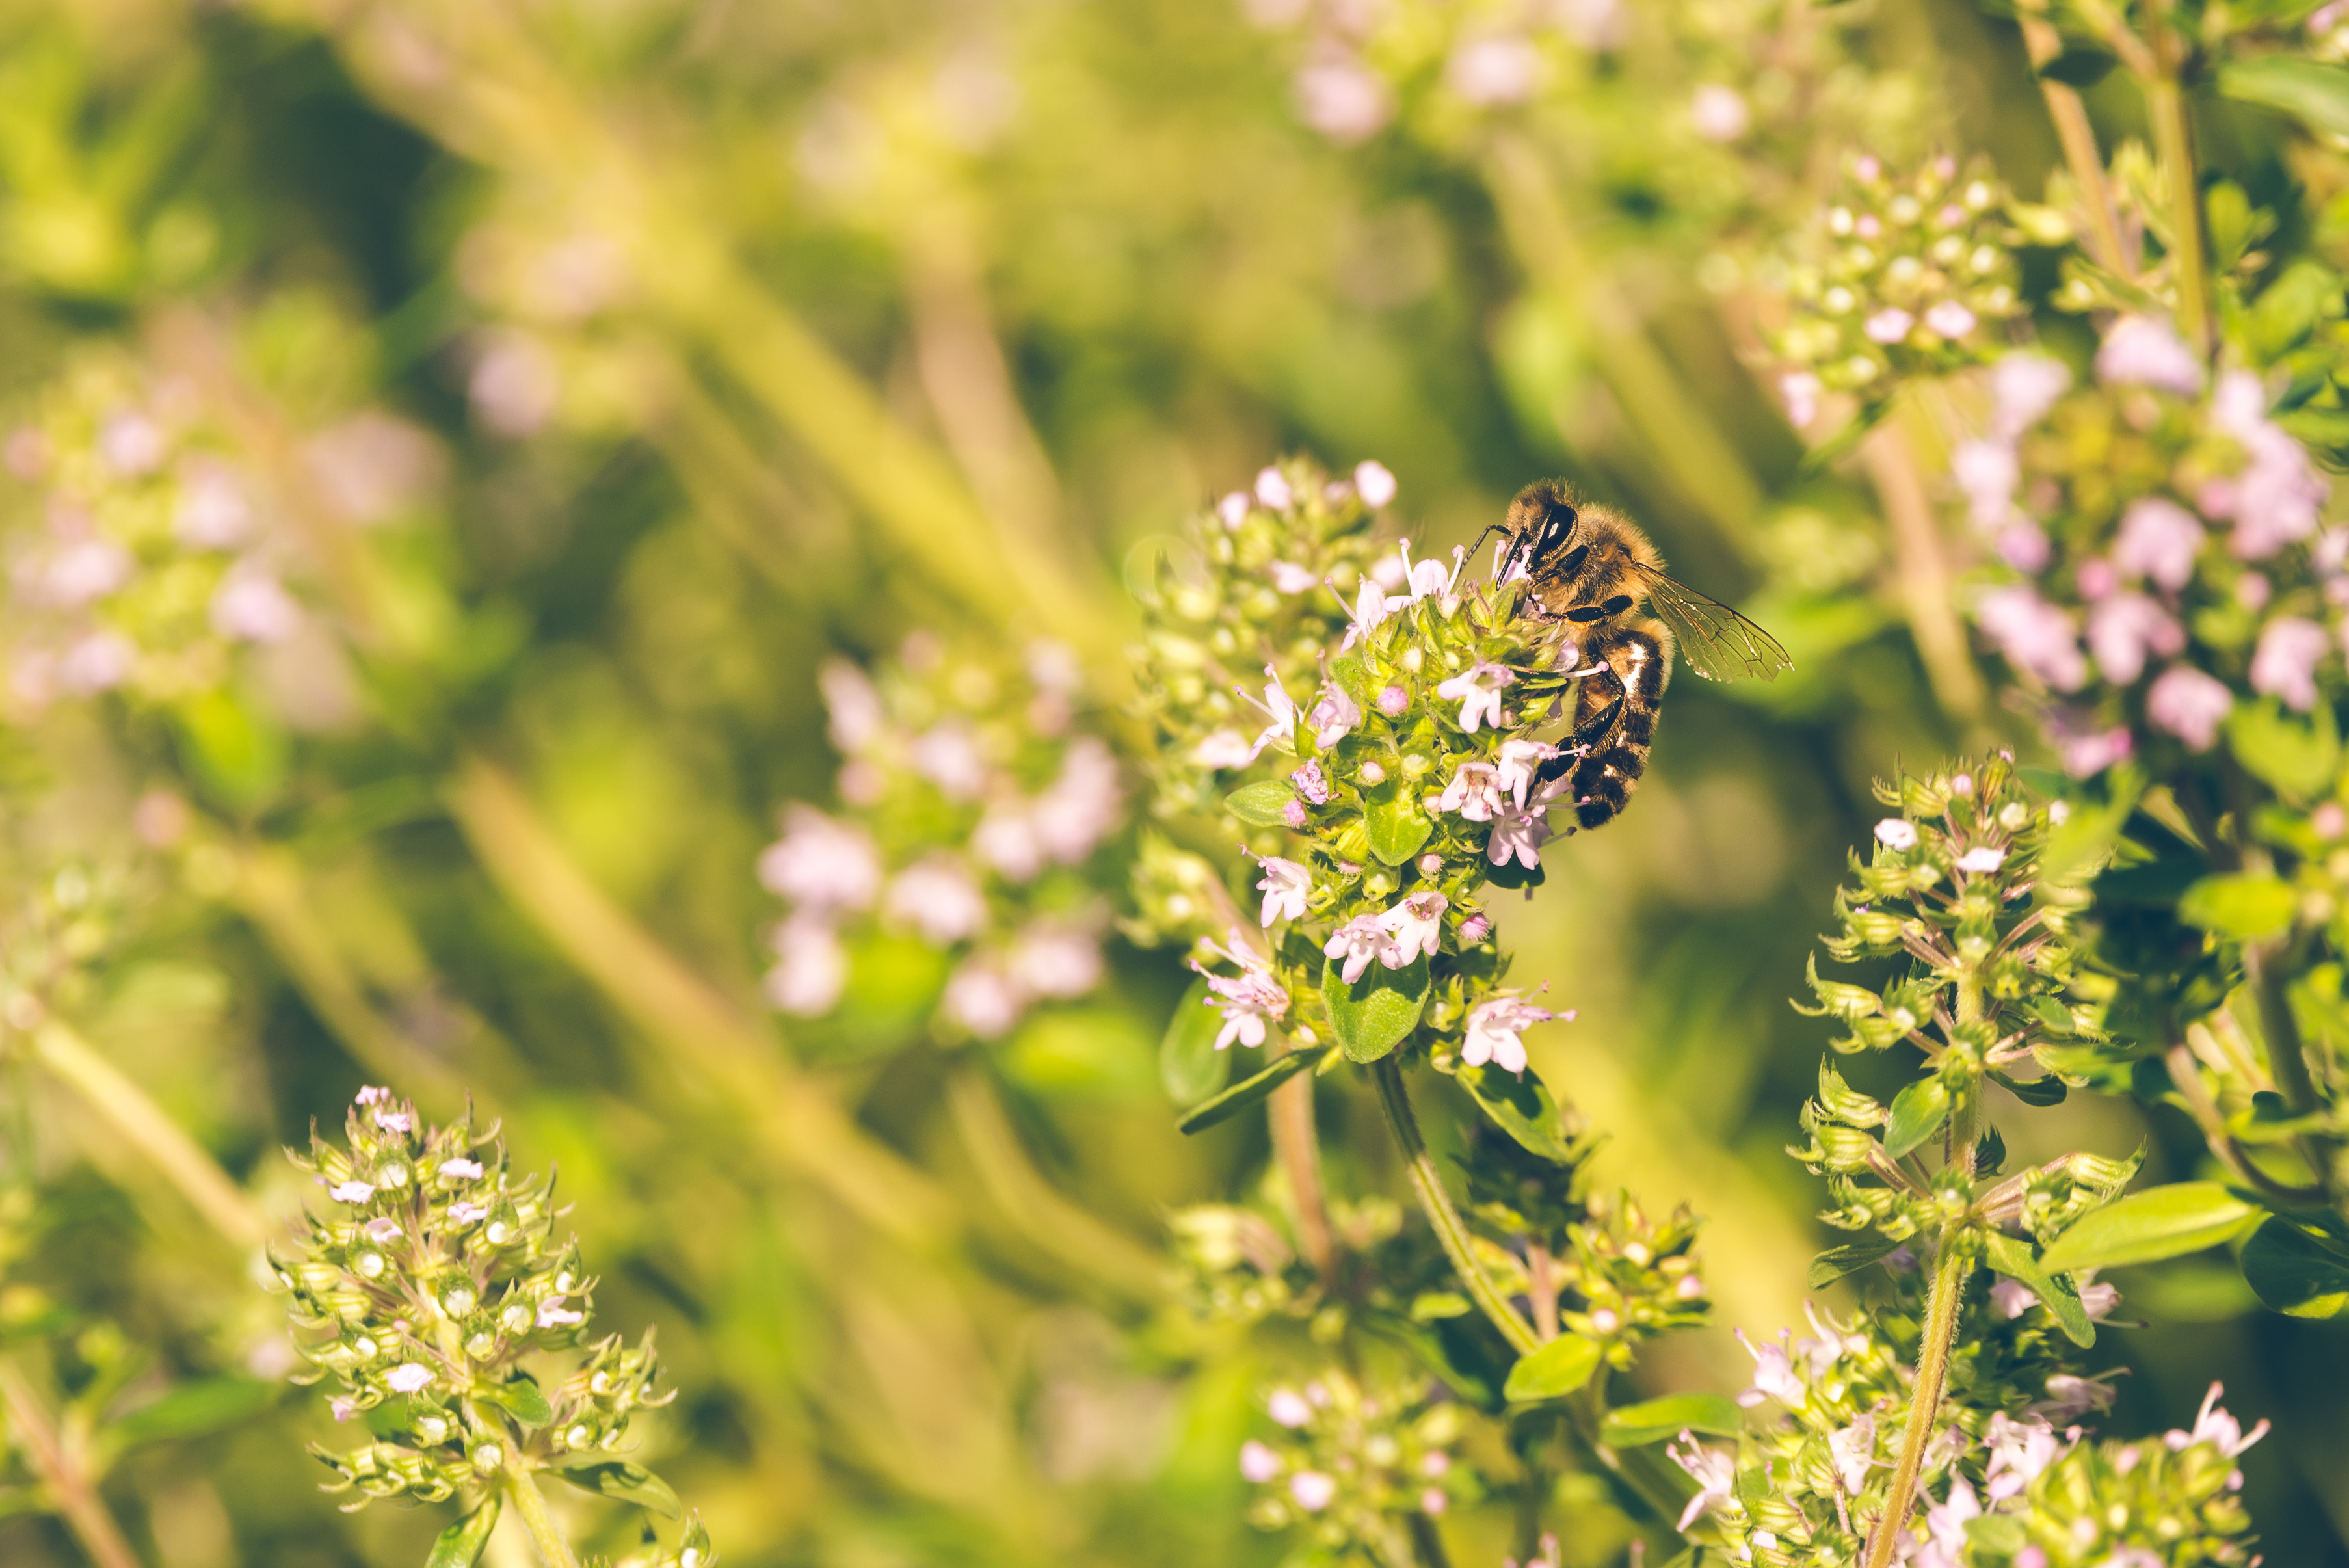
x=1950 y=1271
x=1926 y=588
x=2287 y=1056
x=2080 y=152
x=143 y=1125
x=1427 y=1183
x=2173 y=136
x=1297 y=1144
x=553 y=1550
x=73 y=1489
x=1429 y=1541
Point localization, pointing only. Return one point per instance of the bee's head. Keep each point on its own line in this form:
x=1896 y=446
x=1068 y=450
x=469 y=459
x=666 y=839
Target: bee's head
x=1541 y=519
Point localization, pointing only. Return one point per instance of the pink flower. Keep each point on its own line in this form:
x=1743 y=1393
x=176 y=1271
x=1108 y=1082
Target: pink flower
x=1233 y=508
x=2023 y=545
x=1354 y=945
x=1981 y=861
x=1518 y=767
x=553 y=1314
x=2019 y=1451
x=1897 y=833
x=1222 y=749
x=2158 y=539
x=1310 y=784
x=84 y=569
x=2124 y=628
x=2278 y=493
x=1987 y=472
x=1519 y=832
x=1715 y=1470
x=250 y=606
x=1050 y=957
x=1081 y=806
x=1889 y=325
x=2284 y=664
x=1334 y=716
x=352 y=1192
x=1273 y=489
x=214 y=513
x=1278 y=708
x=1774 y=1373
x=1373 y=483
x=2148 y=353
x=1413 y=927
x=1474 y=792
x=1852 y=1451
x=1289 y=577
x=2022 y=388
x=856 y=716
x=1286 y=886
x=821 y=864
x=947 y=754
x=2069 y=1397
x=1719 y=113
x=1342 y=100
x=2189 y=704
x=812 y=969
x=1488 y=71
x=2034 y=635
x=1949 y=319
x=1946 y=1522
x=1494 y=1028
x=1257 y=1462
x=461 y=1169
x=98 y=662
x=2011 y=1298
x=937 y=897
x=2213 y=1425
x=1313 y=1491
x=1800 y=390
x=409 y=1378
x=981 y=997
x=1249 y=999
x=1478 y=690
x=1289 y=1407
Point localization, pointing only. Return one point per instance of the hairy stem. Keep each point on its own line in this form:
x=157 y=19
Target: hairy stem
x=553 y=1550
x=1427 y=1184
x=71 y=1488
x=1541 y=1268
x=2079 y=138
x=1298 y=1146
x=125 y=1106
x=1949 y=1273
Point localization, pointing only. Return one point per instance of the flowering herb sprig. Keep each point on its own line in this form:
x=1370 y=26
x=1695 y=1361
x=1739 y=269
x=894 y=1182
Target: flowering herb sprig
x=452 y=1322
x=1356 y=1465
x=972 y=809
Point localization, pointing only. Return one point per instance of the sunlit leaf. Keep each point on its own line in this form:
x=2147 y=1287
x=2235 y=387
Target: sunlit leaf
x=1190 y=1068
x=2296 y=1270
x=1554 y=1370
x=461 y=1544
x=1379 y=1011
x=1656 y=1419
x=1264 y=804
x=619 y=1479
x=1248 y=1091
x=2145 y=1226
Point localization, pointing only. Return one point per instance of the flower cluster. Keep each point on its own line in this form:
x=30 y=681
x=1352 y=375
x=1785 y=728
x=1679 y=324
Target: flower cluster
x=147 y=552
x=431 y=1279
x=971 y=807
x=2168 y=561
x=1352 y=1462
x=1904 y=276
x=1277 y=565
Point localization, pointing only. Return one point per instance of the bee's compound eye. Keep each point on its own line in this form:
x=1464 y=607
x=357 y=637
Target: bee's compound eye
x=1558 y=524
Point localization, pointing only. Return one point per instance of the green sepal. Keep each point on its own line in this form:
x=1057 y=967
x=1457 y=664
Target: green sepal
x=461 y=1544
x=1248 y=1091
x=1379 y=1011
x=618 y=1479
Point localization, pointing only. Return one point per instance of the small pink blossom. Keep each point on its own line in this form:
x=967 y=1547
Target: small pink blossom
x=1286 y=886
x=2214 y=1425
x=1413 y=927
x=1800 y=391
x=2011 y=1298
x=1774 y=1373
x=1221 y=749
x=2022 y=388
x=1983 y=860
x=409 y=1378
x=468 y=1213
x=1310 y=784
x=1257 y=1462
x=1289 y=1407
x=2024 y=544
x=981 y=997
x=1233 y=509
x=2148 y=353
x=352 y=1192
x=1392 y=701
x=2189 y=704
x=2124 y=628
x=461 y=1169
x=1313 y=1491
x=1889 y=325
x=1273 y=489
x=811 y=969
x=1897 y=833
x=1354 y=945
x=1249 y=999
x=1719 y=113
x=948 y=754
x=98 y=662
x=2019 y=1451
x=1475 y=791
x=1987 y=472
x=1491 y=72
x=1373 y=483
x=2069 y=1397
x=855 y=716
x=1289 y=577
x=2034 y=635
x=1519 y=832
x=1279 y=711
x=938 y=898
x=1334 y=716
x=1715 y=1470
x=1949 y=319
x=1342 y=100
x=1517 y=768
x=2284 y=664
x=1852 y=1451
x=553 y=1314
x=1478 y=690
x=1053 y=958
x=253 y=607
x=1494 y=1031
x=821 y=864
x=2279 y=493
x=2158 y=539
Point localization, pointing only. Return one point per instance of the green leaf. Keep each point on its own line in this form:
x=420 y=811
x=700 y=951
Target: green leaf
x=2316 y=92
x=1397 y=826
x=619 y=1479
x=191 y=1410
x=2294 y=1271
x=461 y=1544
x=1190 y=1068
x=1997 y=1534
x=2243 y=906
x=1353 y=678
x=2078 y=67
x=1429 y=1305
x=522 y=1399
x=2093 y=827
x=1656 y=1419
x=2048 y=1091
x=2013 y=1257
x=1521 y=1106
x=1264 y=804
x=1379 y=1011
x=2147 y=1227
x=1848 y=1259
x=1916 y=1114
x=237 y=754
x=1248 y=1091
x=1554 y=1370
x=2299 y=757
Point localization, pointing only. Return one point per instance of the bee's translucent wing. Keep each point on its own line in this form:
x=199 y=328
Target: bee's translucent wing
x=1718 y=643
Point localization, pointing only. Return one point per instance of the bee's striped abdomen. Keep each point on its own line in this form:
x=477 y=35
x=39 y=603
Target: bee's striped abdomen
x=1604 y=782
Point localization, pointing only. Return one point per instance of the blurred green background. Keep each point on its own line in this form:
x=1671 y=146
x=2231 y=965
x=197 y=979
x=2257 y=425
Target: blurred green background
x=749 y=333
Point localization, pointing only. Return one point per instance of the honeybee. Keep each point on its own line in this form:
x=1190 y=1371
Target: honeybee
x=1590 y=569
